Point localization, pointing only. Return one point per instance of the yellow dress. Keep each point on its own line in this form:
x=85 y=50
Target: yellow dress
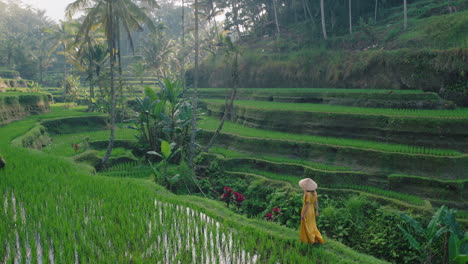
x=309 y=231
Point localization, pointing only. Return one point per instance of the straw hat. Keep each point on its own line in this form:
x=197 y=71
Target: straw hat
x=308 y=184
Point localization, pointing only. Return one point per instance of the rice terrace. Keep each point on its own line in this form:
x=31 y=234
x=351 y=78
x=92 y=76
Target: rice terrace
x=234 y=131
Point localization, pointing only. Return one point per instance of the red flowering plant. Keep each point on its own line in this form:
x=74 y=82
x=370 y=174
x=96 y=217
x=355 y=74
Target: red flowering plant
x=76 y=147
x=238 y=199
x=272 y=216
x=277 y=211
x=227 y=195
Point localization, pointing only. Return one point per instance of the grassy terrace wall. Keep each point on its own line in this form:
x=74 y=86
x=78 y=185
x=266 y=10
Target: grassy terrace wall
x=15 y=106
x=439 y=192
x=287 y=180
x=36 y=138
x=412 y=99
x=453 y=193
x=76 y=124
x=367 y=160
x=424 y=69
x=415 y=130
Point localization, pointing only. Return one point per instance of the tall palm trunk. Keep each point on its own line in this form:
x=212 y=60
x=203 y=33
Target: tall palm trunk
x=375 y=11
x=350 y=18
x=227 y=107
x=405 y=11
x=324 y=28
x=90 y=77
x=276 y=18
x=294 y=6
x=111 y=42
x=236 y=16
x=119 y=62
x=195 y=92
x=182 y=72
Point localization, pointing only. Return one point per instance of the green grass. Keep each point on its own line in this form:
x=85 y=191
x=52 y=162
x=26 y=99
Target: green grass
x=50 y=203
x=211 y=124
x=323 y=108
x=228 y=153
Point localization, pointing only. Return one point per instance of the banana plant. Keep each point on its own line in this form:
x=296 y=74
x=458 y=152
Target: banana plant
x=168 y=151
x=423 y=239
x=149 y=110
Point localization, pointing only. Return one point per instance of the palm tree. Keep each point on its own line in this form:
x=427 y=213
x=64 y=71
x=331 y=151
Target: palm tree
x=324 y=28
x=64 y=34
x=112 y=15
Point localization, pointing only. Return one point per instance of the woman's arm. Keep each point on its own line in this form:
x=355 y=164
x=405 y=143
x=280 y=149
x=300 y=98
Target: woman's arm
x=305 y=211
x=316 y=208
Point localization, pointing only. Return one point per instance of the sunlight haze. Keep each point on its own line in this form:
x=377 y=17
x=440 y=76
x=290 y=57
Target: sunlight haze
x=55 y=9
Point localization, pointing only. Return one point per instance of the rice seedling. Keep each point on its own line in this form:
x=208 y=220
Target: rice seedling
x=128 y=169
x=210 y=124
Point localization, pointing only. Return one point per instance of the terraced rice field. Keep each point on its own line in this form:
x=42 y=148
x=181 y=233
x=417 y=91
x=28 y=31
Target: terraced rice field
x=210 y=123
x=55 y=211
x=461 y=113
x=315 y=90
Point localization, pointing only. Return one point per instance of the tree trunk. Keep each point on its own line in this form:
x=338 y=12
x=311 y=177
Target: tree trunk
x=350 y=18
x=90 y=77
x=195 y=92
x=119 y=62
x=182 y=62
x=294 y=6
x=111 y=42
x=227 y=108
x=40 y=70
x=405 y=14
x=375 y=11
x=324 y=28
x=276 y=18
x=310 y=13
x=236 y=16
x=305 y=11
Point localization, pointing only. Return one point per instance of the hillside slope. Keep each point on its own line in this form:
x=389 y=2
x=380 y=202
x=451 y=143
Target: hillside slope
x=432 y=55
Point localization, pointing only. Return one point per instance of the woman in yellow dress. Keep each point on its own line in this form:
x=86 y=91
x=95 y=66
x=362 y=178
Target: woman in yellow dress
x=309 y=231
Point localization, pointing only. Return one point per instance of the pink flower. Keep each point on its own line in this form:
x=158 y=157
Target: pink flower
x=269 y=216
x=239 y=197
x=276 y=210
x=227 y=190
